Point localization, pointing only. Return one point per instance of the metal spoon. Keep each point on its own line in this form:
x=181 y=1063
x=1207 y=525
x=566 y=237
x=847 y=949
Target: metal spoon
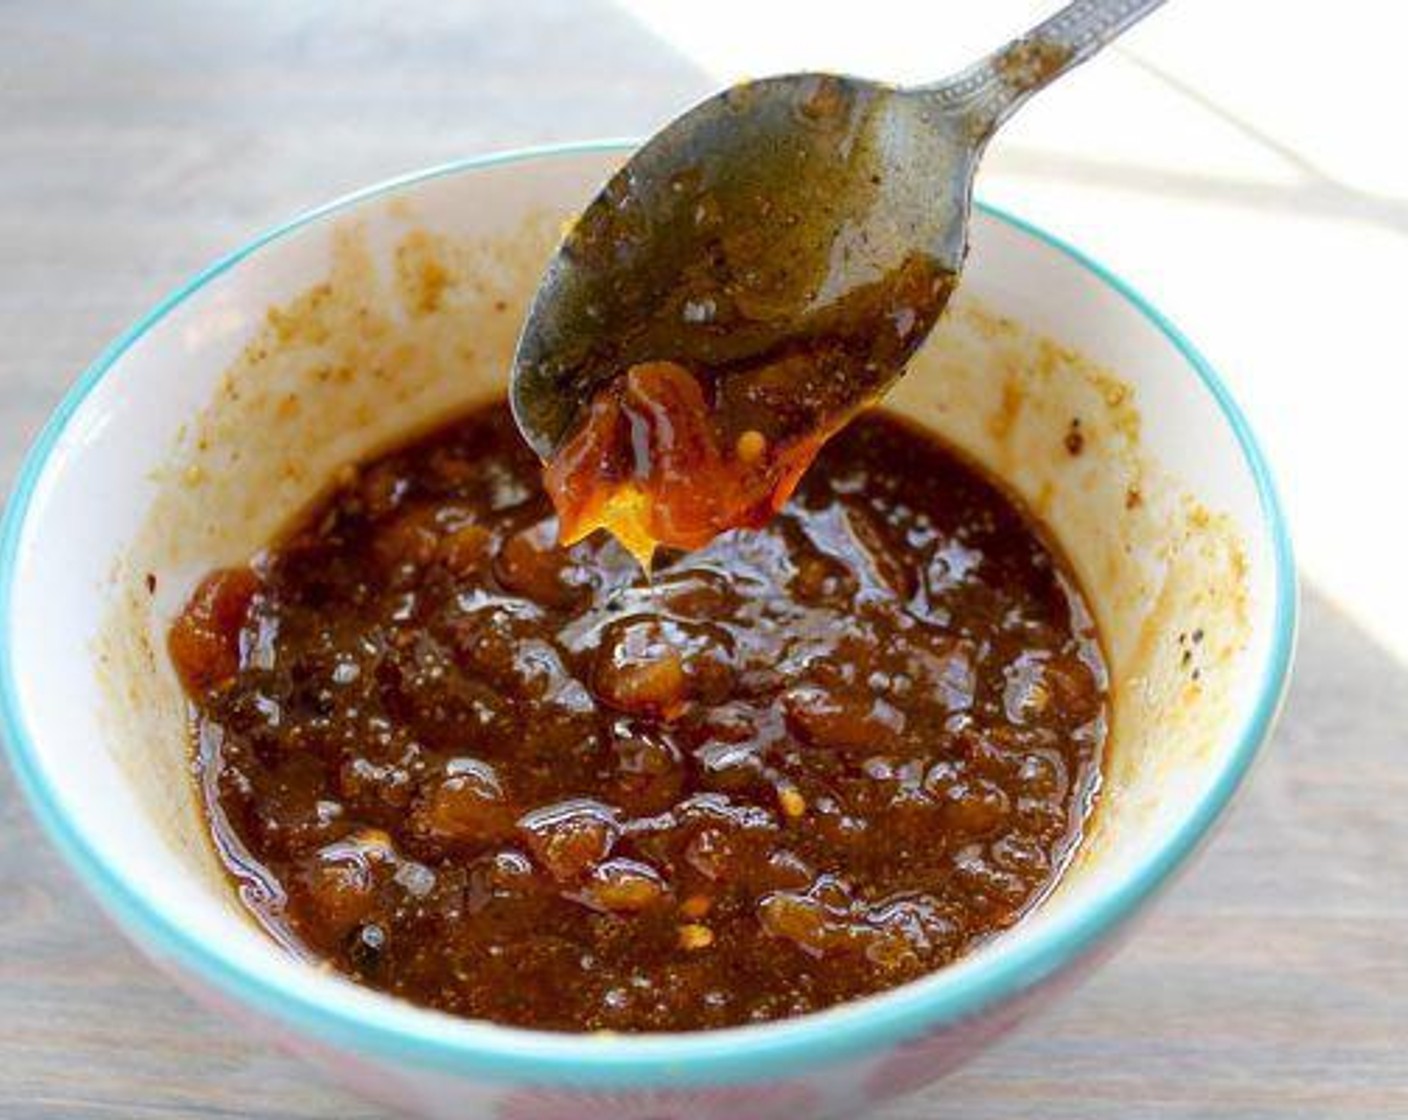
x=806 y=212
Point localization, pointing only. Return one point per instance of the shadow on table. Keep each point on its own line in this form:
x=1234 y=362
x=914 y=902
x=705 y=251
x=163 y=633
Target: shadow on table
x=1314 y=193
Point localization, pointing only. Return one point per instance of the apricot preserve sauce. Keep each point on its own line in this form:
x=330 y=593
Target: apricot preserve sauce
x=522 y=782
x=668 y=455
x=647 y=466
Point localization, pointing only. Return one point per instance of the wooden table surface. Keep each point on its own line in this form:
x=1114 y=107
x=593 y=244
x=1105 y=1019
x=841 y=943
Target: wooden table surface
x=140 y=142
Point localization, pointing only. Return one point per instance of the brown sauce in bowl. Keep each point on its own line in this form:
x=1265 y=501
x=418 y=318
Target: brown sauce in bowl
x=527 y=783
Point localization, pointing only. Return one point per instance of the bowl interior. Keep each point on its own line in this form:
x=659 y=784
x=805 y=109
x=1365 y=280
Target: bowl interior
x=211 y=424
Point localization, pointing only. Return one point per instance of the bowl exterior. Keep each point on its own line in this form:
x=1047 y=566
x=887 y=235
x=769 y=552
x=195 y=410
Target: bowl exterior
x=847 y=1089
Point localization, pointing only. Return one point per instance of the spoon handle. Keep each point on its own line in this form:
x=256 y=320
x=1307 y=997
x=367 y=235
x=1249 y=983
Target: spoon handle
x=991 y=90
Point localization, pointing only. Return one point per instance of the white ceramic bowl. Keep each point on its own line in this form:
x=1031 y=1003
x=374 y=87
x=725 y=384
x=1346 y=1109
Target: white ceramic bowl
x=215 y=418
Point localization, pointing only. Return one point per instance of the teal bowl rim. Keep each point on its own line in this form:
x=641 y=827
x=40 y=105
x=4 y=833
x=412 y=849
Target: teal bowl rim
x=396 y=1032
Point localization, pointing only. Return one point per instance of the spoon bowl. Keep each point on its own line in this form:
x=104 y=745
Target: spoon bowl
x=775 y=214
x=806 y=212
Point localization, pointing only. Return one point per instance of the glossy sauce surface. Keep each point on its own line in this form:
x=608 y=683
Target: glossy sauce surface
x=669 y=454
x=651 y=466
x=802 y=764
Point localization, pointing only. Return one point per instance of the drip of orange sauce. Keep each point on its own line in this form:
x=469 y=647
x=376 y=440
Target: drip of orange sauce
x=649 y=465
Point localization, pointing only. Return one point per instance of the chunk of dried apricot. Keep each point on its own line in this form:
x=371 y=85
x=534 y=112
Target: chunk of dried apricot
x=204 y=641
x=567 y=838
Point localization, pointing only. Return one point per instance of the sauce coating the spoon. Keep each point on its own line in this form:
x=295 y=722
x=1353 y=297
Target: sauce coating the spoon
x=648 y=466
x=668 y=456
